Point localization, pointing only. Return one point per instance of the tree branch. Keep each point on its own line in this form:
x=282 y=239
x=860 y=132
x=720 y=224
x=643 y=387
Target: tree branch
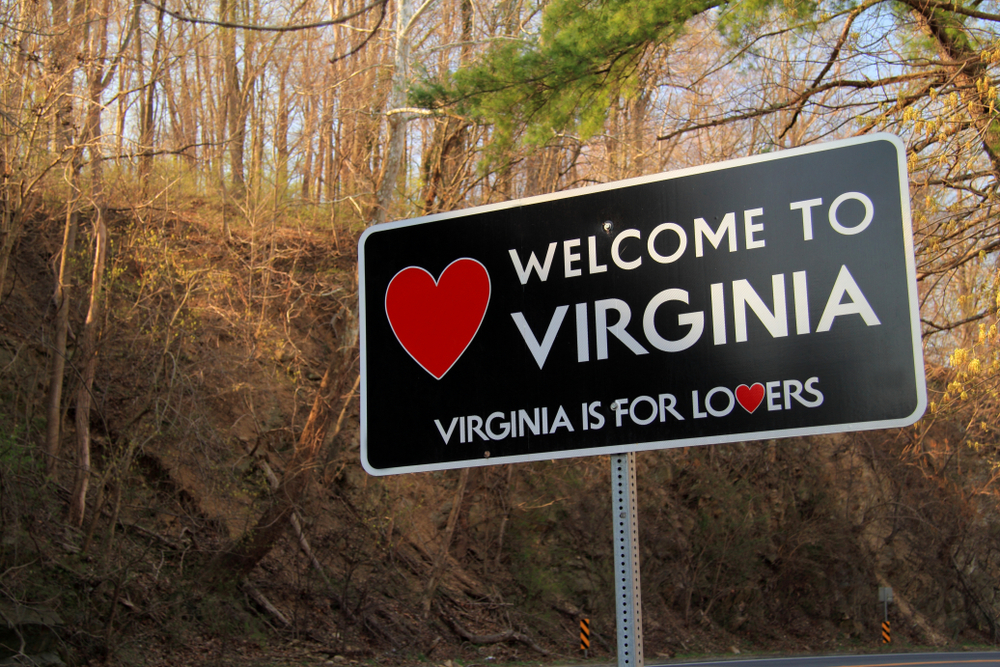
x=801 y=98
x=954 y=8
x=268 y=28
x=938 y=328
x=368 y=37
x=491 y=639
x=834 y=55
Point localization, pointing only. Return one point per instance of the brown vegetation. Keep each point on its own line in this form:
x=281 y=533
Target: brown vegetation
x=202 y=404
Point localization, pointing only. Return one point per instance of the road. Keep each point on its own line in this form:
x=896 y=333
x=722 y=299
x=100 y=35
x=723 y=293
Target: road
x=965 y=659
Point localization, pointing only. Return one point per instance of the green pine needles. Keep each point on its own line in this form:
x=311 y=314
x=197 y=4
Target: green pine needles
x=564 y=78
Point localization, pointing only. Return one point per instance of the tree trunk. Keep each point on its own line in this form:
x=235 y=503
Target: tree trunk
x=53 y=427
x=255 y=108
x=392 y=162
x=147 y=110
x=442 y=170
x=88 y=355
x=13 y=96
x=98 y=76
x=307 y=142
x=325 y=186
x=281 y=134
x=235 y=116
x=328 y=148
x=320 y=166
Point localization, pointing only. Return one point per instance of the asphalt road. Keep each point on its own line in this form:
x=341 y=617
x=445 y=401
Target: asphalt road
x=965 y=659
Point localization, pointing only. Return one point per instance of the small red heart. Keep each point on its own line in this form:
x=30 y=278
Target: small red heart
x=435 y=320
x=750 y=397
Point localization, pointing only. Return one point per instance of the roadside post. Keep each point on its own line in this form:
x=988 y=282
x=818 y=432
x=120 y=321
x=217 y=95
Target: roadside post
x=885 y=597
x=585 y=636
x=760 y=298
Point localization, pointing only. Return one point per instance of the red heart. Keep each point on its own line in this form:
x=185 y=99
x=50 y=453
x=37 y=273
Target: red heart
x=750 y=397
x=435 y=320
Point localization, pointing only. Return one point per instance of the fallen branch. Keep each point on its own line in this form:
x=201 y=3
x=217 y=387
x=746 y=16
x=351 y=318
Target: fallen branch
x=146 y=532
x=265 y=604
x=496 y=638
x=272 y=480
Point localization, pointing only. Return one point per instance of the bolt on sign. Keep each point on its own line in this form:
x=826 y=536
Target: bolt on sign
x=765 y=297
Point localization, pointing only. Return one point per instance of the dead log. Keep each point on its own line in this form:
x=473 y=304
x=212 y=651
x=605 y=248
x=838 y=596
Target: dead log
x=265 y=604
x=497 y=638
x=304 y=545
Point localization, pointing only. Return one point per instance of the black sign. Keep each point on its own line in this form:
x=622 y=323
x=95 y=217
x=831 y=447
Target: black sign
x=760 y=298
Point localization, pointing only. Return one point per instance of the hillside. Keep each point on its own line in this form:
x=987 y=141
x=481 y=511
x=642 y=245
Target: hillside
x=211 y=354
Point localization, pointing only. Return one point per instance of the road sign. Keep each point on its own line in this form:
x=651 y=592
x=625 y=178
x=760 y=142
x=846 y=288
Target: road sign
x=759 y=298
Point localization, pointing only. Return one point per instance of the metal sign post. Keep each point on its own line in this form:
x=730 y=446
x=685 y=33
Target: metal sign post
x=628 y=596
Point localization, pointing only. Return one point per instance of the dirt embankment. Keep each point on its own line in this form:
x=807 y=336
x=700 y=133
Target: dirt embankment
x=210 y=357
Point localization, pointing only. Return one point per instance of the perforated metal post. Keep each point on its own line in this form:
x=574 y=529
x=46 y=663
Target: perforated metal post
x=628 y=599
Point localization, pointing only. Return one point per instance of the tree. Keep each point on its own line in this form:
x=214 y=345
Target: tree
x=925 y=70
x=564 y=77
x=26 y=115
x=85 y=34
x=398 y=115
x=441 y=169
x=63 y=50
